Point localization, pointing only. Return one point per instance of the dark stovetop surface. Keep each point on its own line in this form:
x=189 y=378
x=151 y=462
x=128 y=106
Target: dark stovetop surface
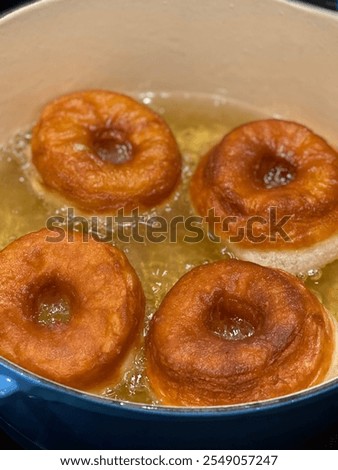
x=327 y=440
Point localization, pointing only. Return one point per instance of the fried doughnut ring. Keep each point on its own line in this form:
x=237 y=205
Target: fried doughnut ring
x=190 y=362
x=272 y=169
x=104 y=151
x=105 y=299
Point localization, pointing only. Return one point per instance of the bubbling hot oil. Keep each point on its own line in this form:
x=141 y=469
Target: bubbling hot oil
x=198 y=122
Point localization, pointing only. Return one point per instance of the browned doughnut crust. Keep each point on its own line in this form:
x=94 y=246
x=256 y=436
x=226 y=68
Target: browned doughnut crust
x=106 y=306
x=79 y=141
x=189 y=364
x=230 y=179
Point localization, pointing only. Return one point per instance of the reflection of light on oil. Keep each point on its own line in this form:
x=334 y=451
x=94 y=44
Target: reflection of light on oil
x=327 y=286
x=54 y=313
x=235 y=329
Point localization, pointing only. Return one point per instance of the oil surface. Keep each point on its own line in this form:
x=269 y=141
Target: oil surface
x=198 y=122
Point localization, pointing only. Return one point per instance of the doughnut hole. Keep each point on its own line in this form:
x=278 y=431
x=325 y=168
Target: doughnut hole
x=232 y=318
x=274 y=171
x=112 y=146
x=50 y=302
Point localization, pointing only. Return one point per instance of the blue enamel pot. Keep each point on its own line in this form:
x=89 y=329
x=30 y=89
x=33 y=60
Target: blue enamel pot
x=40 y=414
x=271 y=54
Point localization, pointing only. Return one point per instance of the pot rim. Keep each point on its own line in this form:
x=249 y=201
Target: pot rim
x=18 y=375
x=12 y=12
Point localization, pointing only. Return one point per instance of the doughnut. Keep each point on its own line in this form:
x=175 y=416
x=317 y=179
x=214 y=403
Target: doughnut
x=194 y=358
x=104 y=151
x=98 y=286
x=266 y=173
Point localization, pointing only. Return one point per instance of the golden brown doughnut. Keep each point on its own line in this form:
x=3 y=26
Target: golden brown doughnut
x=104 y=151
x=105 y=300
x=190 y=362
x=273 y=164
